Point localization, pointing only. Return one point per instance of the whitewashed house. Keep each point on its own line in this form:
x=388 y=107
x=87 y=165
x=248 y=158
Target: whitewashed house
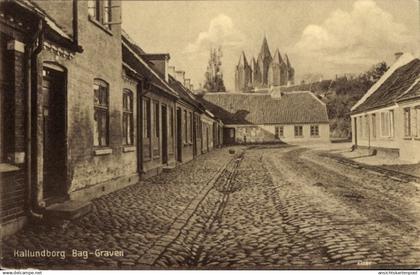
x=387 y=117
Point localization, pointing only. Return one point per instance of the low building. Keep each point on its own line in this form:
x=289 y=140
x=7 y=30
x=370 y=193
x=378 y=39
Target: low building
x=270 y=117
x=387 y=117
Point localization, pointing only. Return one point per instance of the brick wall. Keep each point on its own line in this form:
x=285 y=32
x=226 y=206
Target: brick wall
x=13 y=188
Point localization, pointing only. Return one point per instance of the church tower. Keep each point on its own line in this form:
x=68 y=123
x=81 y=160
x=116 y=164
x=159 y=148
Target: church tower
x=264 y=61
x=277 y=74
x=290 y=72
x=255 y=73
x=242 y=74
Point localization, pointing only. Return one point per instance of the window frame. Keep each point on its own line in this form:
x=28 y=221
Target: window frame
x=407 y=122
x=373 y=125
x=278 y=132
x=101 y=108
x=314 y=130
x=102 y=12
x=301 y=130
x=128 y=112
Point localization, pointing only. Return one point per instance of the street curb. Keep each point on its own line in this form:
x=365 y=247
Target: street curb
x=150 y=257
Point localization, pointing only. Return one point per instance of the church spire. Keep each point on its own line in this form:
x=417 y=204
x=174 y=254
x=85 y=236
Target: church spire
x=242 y=60
x=287 y=61
x=265 y=50
x=277 y=57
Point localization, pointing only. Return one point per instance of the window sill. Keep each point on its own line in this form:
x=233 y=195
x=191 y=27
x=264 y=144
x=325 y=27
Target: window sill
x=6 y=167
x=417 y=138
x=102 y=151
x=407 y=138
x=156 y=157
x=298 y=136
x=128 y=148
x=315 y=136
x=99 y=25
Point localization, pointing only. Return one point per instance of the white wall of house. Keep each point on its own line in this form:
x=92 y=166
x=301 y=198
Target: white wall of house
x=268 y=133
x=410 y=131
x=388 y=128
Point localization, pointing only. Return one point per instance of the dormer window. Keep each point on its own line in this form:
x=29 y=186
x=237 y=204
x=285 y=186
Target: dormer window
x=100 y=11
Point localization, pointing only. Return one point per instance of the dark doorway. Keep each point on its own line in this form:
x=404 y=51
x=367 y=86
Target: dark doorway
x=179 y=134
x=164 y=134
x=54 y=141
x=194 y=129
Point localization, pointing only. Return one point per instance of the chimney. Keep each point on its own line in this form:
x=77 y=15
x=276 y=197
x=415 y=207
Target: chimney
x=191 y=87
x=398 y=55
x=160 y=62
x=171 y=71
x=180 y=76
x=187 y=83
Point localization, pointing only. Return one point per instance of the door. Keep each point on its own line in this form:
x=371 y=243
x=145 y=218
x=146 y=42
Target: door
x=164 y=134
x=194 y=129
x=54 y=133
x=179 y=134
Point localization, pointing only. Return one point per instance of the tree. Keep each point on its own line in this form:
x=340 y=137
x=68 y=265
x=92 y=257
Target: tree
x=214 y=75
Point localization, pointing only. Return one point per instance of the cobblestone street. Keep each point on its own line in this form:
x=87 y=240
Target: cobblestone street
x=263 y=207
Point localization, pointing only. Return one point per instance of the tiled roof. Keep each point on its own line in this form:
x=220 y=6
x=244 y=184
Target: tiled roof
x=401 y=84
x=290 y=108
x=132 y=61
x=183 y=93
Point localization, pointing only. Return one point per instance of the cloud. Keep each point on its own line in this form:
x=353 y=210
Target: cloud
x=362 y=36
x=221 y=32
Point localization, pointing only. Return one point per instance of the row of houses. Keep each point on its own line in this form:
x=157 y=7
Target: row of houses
x=84 y=109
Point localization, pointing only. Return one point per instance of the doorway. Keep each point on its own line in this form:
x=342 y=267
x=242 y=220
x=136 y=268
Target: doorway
x=179 y=134
x=164 y=115
x=54 y=133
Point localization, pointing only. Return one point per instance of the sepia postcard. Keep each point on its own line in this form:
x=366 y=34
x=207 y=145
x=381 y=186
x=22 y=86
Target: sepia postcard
x=210 y=135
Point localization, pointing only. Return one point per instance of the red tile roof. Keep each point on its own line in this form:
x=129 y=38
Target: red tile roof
x=290 y=108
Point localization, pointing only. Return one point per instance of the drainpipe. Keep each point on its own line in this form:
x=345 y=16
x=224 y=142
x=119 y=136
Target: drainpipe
x=32 y=58
x=75 y=23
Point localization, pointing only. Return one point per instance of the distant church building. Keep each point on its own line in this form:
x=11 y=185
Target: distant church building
x=266 y=72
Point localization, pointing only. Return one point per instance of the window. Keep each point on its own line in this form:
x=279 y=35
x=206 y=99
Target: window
x=417 y=122
x=278 y=132
x=93 y=9
x=191 y=127
x=314 y=131
x=156 y=121
x=101 y=113
x=128 y=132
x=391 y=123
x=231 y=133
x=373 y=125
x=146 y=118
x=366 y=125
x=407 y=122
x=298 y=131
x=385 y=123
x=100 y=11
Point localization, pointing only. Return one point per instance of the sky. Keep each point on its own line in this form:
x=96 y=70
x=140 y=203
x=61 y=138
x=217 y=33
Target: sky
x=325 y=37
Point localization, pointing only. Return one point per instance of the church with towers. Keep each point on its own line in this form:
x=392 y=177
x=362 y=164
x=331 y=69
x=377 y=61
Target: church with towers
x=265 y=72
